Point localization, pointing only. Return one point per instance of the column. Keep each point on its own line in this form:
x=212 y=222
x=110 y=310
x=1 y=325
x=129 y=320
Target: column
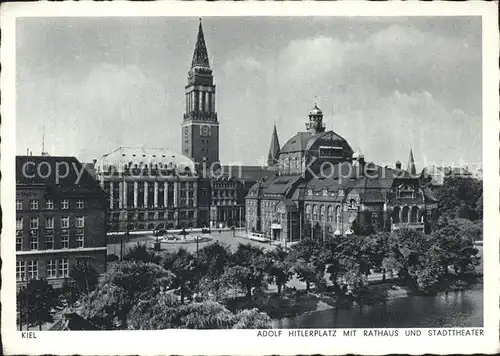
x=165 y=194
x=401 y=215
x=120 y=195
x=156 y=194
x=125 y=205
x=409 y=215
x=176 y=187
x=145 y=194
x=136 y=188
x=195 y=194
x=111 y=191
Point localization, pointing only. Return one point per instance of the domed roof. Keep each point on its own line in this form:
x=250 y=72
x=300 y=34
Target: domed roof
x=315 y=111
x=296 y=143
x=328 y=139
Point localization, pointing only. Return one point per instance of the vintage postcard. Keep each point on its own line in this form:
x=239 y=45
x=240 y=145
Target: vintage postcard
x=250 y=178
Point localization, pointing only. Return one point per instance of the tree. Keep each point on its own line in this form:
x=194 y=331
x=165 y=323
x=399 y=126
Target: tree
x=140 y=253
x=36 y=302
x=70 y=291
x=252 y=319
x=455 y=241
x=317 y=232
x=154 y=313
x=85 y=277
x=120 y=290
x=205 y=315
x=214 y=258
x=183 y=265
x=280 y=268
x=308 y=262
x=460 y=197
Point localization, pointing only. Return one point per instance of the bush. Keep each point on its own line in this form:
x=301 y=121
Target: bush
x=112 y=257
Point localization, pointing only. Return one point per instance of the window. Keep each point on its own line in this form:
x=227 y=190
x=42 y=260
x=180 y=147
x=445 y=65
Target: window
x=49 y=222
x=19 y=204
x=34 y=223
x=20 y=270
x=32 y=269
x=64 y=239
x=79 y=204
x=19 y=243
x=34 y=240
x=49 y=239
x=64 y=222
x=80 y=237
x=49 y=204
x=34 y=204
x=65 y=204
x=19 y=224
x=63 y=267
x=51 y=268
x=161 y=215
x=80 y=221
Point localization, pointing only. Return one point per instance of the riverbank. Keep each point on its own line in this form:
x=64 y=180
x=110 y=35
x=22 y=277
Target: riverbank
x=294 y=303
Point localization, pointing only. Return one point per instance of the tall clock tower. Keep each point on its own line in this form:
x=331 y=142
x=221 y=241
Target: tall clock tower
x=200 y=127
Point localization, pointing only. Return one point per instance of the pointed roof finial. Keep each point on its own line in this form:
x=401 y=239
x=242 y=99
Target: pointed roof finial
x=200 y=55
x=411 y=163
x=274 y=149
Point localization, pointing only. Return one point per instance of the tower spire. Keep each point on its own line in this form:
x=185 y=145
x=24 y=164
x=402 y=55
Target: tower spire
x=200 y=55
x=274 y=149
x=411 y=164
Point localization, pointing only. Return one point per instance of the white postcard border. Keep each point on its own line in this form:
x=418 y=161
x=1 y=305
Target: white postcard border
x=218 y=342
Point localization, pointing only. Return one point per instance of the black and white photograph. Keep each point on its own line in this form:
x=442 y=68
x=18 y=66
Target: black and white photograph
x=296 y=176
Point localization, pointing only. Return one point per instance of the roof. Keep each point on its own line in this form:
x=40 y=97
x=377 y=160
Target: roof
x=247 y=173
x=274 y=149
x=73 y=321
x=60 y=174
x=297 y=143
x=455 y=171
x=200 y=55
x=127 y=156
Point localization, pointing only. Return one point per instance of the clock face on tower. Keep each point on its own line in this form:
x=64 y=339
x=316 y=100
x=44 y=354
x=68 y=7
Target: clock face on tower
x=205 y=130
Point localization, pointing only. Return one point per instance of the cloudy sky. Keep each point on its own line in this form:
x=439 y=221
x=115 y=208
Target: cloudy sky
x=384 y=84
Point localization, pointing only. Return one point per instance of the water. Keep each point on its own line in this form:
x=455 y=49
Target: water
x=455 y=309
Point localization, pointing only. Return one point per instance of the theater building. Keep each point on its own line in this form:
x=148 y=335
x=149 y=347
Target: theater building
x=149 y=188
x=321 y=181
x=60 y=218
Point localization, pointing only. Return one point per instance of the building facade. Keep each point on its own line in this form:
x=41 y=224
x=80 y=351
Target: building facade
x=322 y=183
x=149 y=189
x=60 y=218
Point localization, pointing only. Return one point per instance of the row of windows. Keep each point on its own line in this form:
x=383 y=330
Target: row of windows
x=26 y=270
x=316 y=213
x=49 y=240
x=49 y=204
x=223 y=193
x=49 y=222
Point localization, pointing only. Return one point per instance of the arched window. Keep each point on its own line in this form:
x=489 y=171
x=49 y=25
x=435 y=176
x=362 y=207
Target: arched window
x=315 y=213
x=308 y=212
x=322 y=213
x=414 y=214
x=330 y=213
x=352 y=203
x=406 y=211
x=395 y=215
